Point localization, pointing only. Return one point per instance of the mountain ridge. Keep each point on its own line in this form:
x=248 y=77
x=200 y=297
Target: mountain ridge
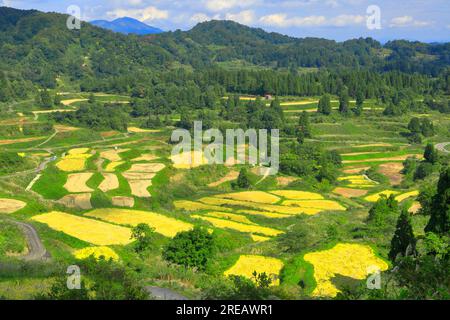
x=126 y=25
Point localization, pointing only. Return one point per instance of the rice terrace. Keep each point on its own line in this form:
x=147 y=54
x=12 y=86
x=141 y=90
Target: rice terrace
x=361 y=190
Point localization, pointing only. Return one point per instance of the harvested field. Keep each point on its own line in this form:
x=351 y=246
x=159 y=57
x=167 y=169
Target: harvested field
x=138 y=175
x=146 y=157
x=97 y=252
x=415 y=208
x=349 y=260
x=139 y=188
x=355 y=170
x=76 y=182
x=164 y=225
x=392 y=171
x=248 y=264
x=77 y=201
x=11 y=205
x=350 y=193
x=123 y=202
x=64 y=128
x=112 y=155
x=92 y=231
x=232 y=175
x=12 y=141
x=139 y=130
x=147 y=167
x=252 y=196
x=111 y=167
x=188 y=160
x=71 y=101
x=316 y=204
x=110 y=183
x=285 y=181
x=241 y=227
x=297 y=195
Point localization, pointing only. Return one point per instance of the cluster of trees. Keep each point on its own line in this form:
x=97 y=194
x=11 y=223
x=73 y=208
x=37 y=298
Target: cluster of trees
x=95 y=116
x=419 y=170
x=10 y=162
x=420 y=127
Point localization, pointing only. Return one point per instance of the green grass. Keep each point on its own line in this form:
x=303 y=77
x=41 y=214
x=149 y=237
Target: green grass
x=12 y=239
x=51 y=184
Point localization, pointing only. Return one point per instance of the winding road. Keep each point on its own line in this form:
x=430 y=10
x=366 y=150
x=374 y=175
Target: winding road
x=36 y=250
x=441 y=147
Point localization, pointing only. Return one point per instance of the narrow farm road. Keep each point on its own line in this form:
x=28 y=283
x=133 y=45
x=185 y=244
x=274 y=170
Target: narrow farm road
x=164 y=294
x=441 y=147
x=36 y=250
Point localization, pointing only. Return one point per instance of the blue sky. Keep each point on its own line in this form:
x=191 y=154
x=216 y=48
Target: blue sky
x=424 y=20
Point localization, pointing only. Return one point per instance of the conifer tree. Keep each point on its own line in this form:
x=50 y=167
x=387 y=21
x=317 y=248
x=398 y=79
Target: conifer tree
x=403 y=242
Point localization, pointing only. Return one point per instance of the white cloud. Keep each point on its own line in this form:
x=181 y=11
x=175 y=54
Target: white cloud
x=200 y=17
x=282 y=20
x=407 y=21
x=220 y=5
x=244 y=17
x=146 y=14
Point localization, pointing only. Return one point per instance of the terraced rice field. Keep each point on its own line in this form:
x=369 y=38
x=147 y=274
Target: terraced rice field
x=111 y=167
x=98 y=252
x=75 y=160
x=253 y=196
x=298 y=195
x=350 y=260
x=376 y=196
x=404 y=196
x=164 y=225
x=76 y=182
x=89 y=230
x=358 y=181
x=316 y=204
x=11 y=205
x=241 y=227
x=248 y=264
x=111 y=182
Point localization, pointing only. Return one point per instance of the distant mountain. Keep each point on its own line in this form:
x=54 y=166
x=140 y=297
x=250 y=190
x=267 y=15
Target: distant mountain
x=127 y=26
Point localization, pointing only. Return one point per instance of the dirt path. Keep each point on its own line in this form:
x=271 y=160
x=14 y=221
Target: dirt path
x=36 y=250
x=441 y=147
x=164 y=294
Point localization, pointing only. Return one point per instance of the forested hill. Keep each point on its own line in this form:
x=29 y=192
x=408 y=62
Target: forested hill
x=37 y=48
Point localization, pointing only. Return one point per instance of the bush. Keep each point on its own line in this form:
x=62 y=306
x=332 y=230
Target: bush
x=423 y=170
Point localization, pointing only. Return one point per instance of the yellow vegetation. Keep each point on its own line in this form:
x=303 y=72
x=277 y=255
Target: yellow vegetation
x=407 y=195
x=297 y=195
x=164 y=225
x=227 y=224
x=349 y=260
x=248 y=264
x=92 y=231
x=187 y=160
x=252 y=196
x=316 y=204
x=265 y=214
x=97 y=252
x=376 y=196
x=259 y=238
x=230 y=216
x=78 y=151
x=75 y=160
x=111 y=167
x=194 y=206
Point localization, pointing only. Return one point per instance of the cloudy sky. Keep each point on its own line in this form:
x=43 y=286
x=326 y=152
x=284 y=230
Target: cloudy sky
x=424 y=20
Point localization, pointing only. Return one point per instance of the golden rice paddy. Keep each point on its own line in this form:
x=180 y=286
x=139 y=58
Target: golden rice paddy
x=229 y=216
x=78 y=151
x=92 y=231
x=73 y=162
x=164 y=225
x=265 y=214
x=257 y=238
x=188 y=160
x=97 y=252
x=297 y=195
x=247 y=228
x=11 y=205
x=376 y=196
x=191 y=206
x=139 y=130
x=316 y=204
x=252 y=196
x=407 y=195
x=248 y=264
x=350 y=260
x=111 y=167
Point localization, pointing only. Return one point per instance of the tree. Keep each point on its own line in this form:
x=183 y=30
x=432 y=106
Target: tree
x=192 y=248
x=304 y=125
x=5 y=90
x=46 y=99
x=431 y=154
x=143 y=235
x=382 y=209
x=57 y=100
x=91 y=98
x=423 y=170
x=414 y=125
x=243 y=180
x=439 y=222
x=427 y=127
x=403 y=243
x=344 y=101
x=324 y=105
x=359 y=103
